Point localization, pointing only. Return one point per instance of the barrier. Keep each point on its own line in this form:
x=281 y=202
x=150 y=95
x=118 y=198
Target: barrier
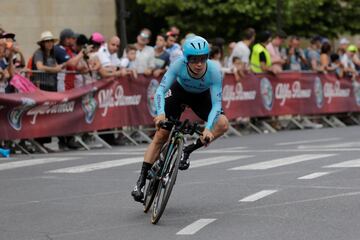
x=114 y=103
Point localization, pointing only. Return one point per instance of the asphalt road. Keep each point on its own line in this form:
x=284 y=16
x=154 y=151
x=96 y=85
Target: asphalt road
x=286 y=186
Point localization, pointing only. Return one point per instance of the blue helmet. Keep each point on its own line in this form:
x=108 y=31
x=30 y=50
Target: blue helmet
x=195 y=46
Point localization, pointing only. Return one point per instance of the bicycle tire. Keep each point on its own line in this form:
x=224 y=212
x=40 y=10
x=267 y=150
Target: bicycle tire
x=164 y=191
x=150 y=194
x=151 y=187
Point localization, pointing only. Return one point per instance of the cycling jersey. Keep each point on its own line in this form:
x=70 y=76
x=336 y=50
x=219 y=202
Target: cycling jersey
x=211 y=80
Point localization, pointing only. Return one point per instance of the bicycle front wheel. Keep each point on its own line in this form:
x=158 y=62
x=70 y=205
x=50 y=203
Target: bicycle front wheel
x=167 y=180
x=150 y=193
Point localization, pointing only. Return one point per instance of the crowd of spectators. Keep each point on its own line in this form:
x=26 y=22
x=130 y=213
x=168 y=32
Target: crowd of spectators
x=72 y=60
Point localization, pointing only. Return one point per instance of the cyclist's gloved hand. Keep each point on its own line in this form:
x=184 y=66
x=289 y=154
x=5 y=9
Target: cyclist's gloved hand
x=207 y=136
x=158 y=119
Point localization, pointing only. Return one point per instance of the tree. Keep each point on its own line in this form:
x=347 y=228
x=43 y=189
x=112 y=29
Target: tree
x=212 y=18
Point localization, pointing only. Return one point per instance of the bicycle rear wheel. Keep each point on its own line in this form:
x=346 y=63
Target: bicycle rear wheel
x=167 y=181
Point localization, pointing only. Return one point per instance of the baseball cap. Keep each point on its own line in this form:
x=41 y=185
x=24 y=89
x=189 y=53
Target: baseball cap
x=97 y=37
x=67 y=33
x=344 y=41
x=7 y=35
x=352 y=48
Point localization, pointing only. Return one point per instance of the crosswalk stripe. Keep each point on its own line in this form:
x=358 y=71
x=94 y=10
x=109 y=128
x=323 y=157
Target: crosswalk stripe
x=98 y=166
x=216 y=160
x=282 y=162
x=313 y=175
x=195 y=226
x=33 y=162
x=347 y=164
x=256 y=196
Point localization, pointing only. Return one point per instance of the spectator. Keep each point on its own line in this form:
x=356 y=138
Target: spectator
x=96 y=41
x=356 y=58
x=325 y=61
x=215 y=56
x=3 y=71
x=145 y=55
x=129 y=62
x=273 y=47
x=242 y=49
x=176 y=32
x=336 y=65
x=260 y=58
x=346 y=60
x=295 y=55
x=313 y=53
x=44 y=60
x=109 y=60
x=173 y=48
x=343 y=44
x=18 y=57
x=65 y=54
x=7 y=61
x=162 y=57
x=237 y=68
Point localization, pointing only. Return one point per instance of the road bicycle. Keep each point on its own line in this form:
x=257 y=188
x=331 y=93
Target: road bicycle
x=162 y=175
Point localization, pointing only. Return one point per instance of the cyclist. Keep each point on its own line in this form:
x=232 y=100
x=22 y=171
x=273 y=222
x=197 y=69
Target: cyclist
x=195 y=81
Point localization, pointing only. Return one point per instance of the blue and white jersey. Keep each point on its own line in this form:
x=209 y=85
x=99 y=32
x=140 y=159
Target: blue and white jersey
x=178 y=71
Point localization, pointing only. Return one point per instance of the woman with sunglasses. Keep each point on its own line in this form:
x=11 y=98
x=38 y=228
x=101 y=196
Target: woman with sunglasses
x=193 y=81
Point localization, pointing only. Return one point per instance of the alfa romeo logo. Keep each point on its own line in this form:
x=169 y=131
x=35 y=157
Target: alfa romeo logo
x=153 y=85
x=15 y=115
x=319 y=93
x=89 y=105
x=267 y=93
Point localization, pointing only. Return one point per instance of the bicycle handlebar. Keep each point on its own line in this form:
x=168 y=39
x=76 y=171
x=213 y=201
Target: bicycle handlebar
x=185 y=127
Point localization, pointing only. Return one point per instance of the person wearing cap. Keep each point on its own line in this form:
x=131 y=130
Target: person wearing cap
x=145 y=54
x=343 y=44
x=172 y=47
x=64 y=54
x=277 y=60
x=347 y=62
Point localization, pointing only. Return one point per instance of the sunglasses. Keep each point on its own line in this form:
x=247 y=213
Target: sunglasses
x=197 y=59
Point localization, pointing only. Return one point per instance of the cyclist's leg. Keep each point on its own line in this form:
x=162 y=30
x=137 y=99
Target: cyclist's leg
x=201 y=105
x=173 y=109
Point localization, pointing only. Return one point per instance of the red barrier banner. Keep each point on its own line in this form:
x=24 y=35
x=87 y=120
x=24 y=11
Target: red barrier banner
x=112 y=103
x=289 y=93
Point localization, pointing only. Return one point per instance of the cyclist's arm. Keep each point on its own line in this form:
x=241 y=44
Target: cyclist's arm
x=165 y=84
x=216 y=99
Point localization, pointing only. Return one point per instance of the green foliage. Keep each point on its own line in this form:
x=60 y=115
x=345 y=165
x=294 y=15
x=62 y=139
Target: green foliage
x=212 y=18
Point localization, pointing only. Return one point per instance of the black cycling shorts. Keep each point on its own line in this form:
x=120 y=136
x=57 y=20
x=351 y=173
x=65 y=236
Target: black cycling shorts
x=177 y=98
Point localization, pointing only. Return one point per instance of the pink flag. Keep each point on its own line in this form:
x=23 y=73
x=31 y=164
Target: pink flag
x=23 y=84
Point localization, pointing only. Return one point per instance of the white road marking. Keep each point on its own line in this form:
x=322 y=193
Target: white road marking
x=335 y=145
x=195 y=226
x=33 y=162
x=282 y=162
x=258 y=195
x=215 y=160
x=347 y=164
x=307 y=141
x=98 y=166
x=314 y=175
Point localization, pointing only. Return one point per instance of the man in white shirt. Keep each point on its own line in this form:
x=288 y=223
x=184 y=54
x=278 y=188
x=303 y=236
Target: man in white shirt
x=277 y=61
x=242 y=50
x=109 y=60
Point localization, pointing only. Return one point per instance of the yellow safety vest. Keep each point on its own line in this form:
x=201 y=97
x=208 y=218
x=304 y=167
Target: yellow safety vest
x=255 y=58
